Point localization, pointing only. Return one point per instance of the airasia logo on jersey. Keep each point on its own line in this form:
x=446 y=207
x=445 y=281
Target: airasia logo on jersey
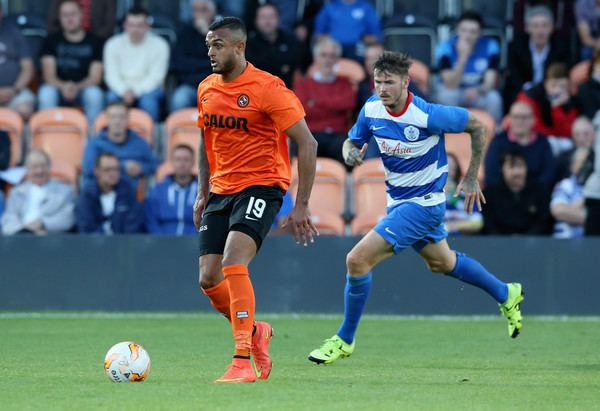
x=394 y=150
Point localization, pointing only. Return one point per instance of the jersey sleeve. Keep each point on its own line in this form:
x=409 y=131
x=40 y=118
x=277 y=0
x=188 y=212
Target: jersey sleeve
x=360 y=133
x=282 y=105
x=447 y=119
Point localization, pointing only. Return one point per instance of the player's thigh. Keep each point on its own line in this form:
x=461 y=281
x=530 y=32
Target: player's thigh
x=254 y=211
x=439 y=257
x=240 y=248
x=210 y=270
x=367 y=253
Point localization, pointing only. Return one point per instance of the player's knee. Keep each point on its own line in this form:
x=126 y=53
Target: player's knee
x=209 y=276
x=441 y=266
x=357 y=263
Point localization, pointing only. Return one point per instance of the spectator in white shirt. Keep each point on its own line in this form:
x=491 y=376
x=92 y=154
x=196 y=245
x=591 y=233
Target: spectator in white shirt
x=40 y=205
x=136 y=64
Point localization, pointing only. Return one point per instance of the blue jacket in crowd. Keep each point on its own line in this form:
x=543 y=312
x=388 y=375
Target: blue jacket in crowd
x=133 y=148
x=169 y=208
x=127 y=217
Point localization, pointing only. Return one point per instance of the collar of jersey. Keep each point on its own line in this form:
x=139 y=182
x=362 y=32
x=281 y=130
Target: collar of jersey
x=401 y=112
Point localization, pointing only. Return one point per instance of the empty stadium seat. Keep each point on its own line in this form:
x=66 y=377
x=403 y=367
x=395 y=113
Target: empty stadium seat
x=432 y=9
x=579 y=74
x=329 y=189
x=139 y=121
x=12 y=122
x=413 y=34
x=61 y=132
x=370 y=198
x=327 y=223
x=181 y=128
x=64 y=171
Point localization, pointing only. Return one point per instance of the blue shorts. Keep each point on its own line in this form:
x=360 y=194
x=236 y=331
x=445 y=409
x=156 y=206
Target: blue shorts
x=410 y=224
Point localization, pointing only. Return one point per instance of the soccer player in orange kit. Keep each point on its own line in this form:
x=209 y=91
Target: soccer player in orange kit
x=245 y=116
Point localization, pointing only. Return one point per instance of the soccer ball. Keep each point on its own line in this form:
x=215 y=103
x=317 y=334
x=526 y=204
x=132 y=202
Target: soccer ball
x=127 y=361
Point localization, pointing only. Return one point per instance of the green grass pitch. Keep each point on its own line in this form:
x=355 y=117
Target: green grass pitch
x=54 y=362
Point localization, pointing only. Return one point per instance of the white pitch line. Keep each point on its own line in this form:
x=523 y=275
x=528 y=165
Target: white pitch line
x=58 y=315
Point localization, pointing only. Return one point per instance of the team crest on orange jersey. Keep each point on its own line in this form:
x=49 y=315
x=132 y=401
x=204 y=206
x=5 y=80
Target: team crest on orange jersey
x=243 y=100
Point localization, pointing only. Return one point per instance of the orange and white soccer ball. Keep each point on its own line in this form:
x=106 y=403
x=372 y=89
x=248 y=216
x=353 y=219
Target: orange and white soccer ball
x=126 y=362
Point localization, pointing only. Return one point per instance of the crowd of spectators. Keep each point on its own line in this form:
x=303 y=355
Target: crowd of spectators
x=541 y=167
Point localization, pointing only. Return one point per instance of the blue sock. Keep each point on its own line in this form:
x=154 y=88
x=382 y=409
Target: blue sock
x=356 y=294
x=470 y=271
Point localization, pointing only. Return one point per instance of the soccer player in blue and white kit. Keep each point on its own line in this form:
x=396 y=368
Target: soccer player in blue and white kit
x=410 y=134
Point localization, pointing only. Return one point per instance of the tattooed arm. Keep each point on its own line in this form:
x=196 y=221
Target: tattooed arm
x=353 y=156
x=469 y=183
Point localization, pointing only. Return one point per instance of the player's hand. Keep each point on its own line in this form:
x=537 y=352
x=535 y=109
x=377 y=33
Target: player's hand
x=473 y=194
x=304 y=229
x=353 y=156
x=199 y=206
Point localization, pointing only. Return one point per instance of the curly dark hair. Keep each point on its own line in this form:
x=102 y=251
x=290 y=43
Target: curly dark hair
x=393 y=63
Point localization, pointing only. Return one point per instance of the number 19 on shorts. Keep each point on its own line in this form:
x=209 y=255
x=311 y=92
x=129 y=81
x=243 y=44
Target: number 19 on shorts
x=256 y=208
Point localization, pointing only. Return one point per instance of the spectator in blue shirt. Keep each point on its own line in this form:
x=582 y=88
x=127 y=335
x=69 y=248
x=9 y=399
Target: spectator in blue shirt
x=353 y=23
x=133 y=152
x=108 y=204
x=169 y=206
x=468 y=65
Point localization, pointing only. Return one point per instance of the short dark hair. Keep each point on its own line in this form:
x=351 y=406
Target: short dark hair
x=392 y=62
x=116 y=103
x=513 y=154
x=137 y=10
x=471 y=16
x=231 y=23
x=183 y=147
x=557 y=70
x=104 y=154
x=69 y=1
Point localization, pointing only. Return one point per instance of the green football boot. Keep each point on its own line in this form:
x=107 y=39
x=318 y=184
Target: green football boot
x=511 y=309
x=332 y=349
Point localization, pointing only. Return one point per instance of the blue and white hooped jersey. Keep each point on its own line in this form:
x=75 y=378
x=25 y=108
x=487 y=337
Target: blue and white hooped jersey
x=411 y=146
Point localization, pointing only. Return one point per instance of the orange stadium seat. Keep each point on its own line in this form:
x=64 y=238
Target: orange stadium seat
x=579 y=74
x=181 y=128
x=64 y=171
x=419 y=72
x=328 y=224
x=327 y=199
x=139 y=121
x=370 y=197
x=61 y=132
x=460 y=144
x=12 y=122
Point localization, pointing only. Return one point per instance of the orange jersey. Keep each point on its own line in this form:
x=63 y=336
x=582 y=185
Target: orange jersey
x=244 y=123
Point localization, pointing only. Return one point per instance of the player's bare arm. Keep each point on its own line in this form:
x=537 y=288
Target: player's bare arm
x=353 y=156
x=300 y=219
x=203 y=175
x=469 y=183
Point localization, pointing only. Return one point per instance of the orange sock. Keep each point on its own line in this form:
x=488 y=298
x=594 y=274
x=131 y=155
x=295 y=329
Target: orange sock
x=242 y=307
x=219 y=298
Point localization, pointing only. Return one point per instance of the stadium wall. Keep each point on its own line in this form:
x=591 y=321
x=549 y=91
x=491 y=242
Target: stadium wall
x=139 y=273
